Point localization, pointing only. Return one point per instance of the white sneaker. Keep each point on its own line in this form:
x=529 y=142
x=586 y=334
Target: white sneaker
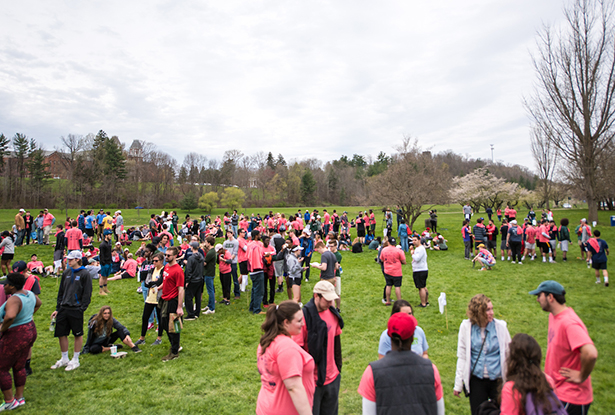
x=60 y=363
x=512 y=262
x=72 y=365
x=520 y=263
x=384 y=301
x=210 y=312
x=598 y=281
x=206 y=308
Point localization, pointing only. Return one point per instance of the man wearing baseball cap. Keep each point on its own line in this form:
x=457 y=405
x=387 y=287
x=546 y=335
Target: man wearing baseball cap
x=571 y=354
x=320 y=337
x=402 y=382
x=74 y=296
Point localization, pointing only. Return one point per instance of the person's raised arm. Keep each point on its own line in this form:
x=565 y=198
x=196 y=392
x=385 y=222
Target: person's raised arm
x=297 y=393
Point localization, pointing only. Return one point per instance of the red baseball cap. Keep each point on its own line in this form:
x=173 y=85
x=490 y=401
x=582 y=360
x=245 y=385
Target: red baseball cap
x=402 y=324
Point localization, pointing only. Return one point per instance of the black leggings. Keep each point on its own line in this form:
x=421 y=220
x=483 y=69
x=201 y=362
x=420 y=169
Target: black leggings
x=482 y=390
x=98 y=348
x=147 y=311
x=225 y=281
x=272 y=286
x=515 y=247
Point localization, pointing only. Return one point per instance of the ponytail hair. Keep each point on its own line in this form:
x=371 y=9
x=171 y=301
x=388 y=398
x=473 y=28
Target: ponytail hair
x=274 y=322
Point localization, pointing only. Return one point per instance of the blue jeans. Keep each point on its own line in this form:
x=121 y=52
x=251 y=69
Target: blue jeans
x=20 y=235
x=145 y=290
x=258 y=281
x=235 y=280
x=211 y=292
x=234 y=230
x=39 y=236
x=403 y=240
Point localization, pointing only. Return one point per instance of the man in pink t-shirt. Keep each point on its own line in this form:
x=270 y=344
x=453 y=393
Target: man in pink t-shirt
x=392 y=259
x=571 y=354
x=320 y=337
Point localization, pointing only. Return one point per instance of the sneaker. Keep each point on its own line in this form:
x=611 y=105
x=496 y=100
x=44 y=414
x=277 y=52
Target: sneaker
x=150 y=326
x=136 y=349
x=7 y=406
x=190 y=318
x=512 y=262
x=279 y=290
x=180 y=349
x=226 y=302
x=60 y=363
x=157 y=342
x=206 y=308
x=598 y=282
x=384 y=301
x=140 y=290
x=307 y=280
x=209 y=312
x=520 y=263
x=422 y=306
x=21 y=401
x=169 y=357
x=72 y=365
x=139 y=342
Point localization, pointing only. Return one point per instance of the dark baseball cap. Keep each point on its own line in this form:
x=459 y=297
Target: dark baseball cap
x=549 y=287
x=19 y=266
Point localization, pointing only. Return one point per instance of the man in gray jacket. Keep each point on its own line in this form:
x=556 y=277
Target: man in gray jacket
x=194 y=282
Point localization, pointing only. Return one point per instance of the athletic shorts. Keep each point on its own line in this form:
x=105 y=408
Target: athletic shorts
x=361 y=233
x=564 y=246
x=478 y=243
x=503 y=245
x=553 y=244
x=243 y=268
x=67 y=320
x=544 y=246
x=420 y=279
x=278 y=266
x=89 y=232
x=105 y=270
x=492 y=244
x=126 y=275
x=7 y=257
x=599 y=265
x=530 y=246
x=290 y=281
x=338 y=286
x=393 y=281
x=58 y=255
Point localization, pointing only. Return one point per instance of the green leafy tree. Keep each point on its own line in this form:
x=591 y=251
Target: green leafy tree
x=189 y=202
x=38 y=173
x=308 y=188
x=209 y=201
x=233 y=198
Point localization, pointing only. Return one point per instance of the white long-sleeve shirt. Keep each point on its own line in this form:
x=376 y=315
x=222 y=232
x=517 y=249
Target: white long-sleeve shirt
x=419 y=259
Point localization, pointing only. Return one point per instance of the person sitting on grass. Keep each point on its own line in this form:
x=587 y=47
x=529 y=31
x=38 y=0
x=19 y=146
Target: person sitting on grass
x=357 y=247
x=439 y=243
x=485 y=258
x=101 y=334
x=375 y=244
x=128 y=270
x=35 y=266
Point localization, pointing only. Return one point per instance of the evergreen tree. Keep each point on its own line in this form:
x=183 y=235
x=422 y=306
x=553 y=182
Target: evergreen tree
x=308 y=188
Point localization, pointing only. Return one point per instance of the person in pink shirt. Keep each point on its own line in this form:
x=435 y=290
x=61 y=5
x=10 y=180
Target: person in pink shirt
x=392 y=258
x=242 y=258
x=286 y=370
x=530 y=241
x=224 y=263
x=48 y=221
x=326 y=223
x=528 y=390
x=542 y=234
x=372 y=221
x=74 y=238
x=571 y=354
x=35 y=266
x=129 y=269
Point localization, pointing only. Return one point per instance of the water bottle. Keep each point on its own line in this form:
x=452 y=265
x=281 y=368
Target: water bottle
x=178 y=327
x=52 y=326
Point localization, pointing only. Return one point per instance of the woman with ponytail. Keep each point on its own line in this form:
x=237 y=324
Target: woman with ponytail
x=527 y=391
x=287 y=371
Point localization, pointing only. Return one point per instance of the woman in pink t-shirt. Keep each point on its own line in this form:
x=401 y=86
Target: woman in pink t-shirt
x=527 y=387
x=287 y=371
x=224 y=263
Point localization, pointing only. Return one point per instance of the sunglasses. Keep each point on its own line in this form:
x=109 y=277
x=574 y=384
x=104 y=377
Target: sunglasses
x=155 y=260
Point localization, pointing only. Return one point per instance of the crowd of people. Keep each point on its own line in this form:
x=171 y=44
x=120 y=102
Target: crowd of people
x=299 y=354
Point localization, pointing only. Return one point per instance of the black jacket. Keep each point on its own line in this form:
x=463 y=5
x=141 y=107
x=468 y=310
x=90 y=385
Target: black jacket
x=317 y=336
x=75 y=289
x=194 y=268
x=94 y=339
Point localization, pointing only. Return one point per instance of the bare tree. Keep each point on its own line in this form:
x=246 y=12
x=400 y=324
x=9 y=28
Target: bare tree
x=576 y=87
x=545 y=156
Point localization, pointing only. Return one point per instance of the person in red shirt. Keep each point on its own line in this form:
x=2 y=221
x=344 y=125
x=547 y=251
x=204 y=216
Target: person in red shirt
x=392 y=258
x=320 y=337
x=74 y=238
x=256 y=269
x=571 y=354
x=172 y=299
x=530 y=241
x=326 y=223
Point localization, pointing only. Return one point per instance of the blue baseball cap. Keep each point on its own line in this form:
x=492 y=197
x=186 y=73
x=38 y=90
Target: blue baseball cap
x=107 y=232
x=549 y=287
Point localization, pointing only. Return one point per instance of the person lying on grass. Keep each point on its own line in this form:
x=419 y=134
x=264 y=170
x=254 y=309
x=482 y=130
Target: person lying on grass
x=101 y=334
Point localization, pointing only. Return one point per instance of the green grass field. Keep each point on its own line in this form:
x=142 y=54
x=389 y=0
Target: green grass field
x=216 y=373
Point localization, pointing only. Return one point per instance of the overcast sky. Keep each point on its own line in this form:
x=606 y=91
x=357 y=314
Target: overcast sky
x=305 y=79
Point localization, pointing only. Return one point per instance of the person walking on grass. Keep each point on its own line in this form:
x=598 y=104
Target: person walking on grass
x=419 y=269
x=571 y=354
x=74 y=296
x=171 y=302
x=597 y=250
x=392 y=258
x=320 y=337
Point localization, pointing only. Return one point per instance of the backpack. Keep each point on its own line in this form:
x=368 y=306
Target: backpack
x=531 y=409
